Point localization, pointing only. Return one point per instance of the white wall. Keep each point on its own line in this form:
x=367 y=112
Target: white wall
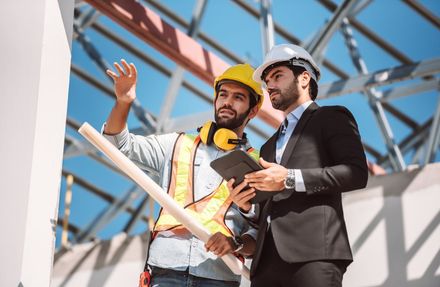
x=35 y=66
x=394 y=230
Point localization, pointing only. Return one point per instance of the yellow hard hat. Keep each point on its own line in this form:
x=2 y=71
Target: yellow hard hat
x=241 y=74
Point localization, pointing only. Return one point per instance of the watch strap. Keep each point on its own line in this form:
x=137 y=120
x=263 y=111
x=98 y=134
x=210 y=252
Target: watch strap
x=238 y=242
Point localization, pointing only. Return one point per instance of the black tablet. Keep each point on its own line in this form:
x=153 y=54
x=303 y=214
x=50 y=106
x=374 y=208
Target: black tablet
x=237 y=164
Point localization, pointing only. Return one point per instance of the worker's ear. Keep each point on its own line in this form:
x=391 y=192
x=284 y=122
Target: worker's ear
x=253 y=112
x=304 y=79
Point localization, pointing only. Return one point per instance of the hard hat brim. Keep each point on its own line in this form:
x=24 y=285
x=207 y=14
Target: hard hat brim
x=259 y=71
x=238 y=83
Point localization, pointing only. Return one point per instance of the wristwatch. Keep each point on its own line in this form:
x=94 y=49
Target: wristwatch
x=289 y=181
x=238 y=242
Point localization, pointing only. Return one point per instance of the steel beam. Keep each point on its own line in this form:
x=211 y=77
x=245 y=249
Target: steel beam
x=373 y=97
x=413 y=140
x=400 y=116
x=372 y=151
x=95 y=55
x=433 y=136
x=118 y=206
x=324 y=36
x=390 y=49
x=67 y=204
x=380 y=78
x=75 y=147
x=86 y=19
x=205 y=38
x=146 y=59
x=289 y=37
x=89 y=187
x=137 y=215
x=266 y=26
x=358 y=7
x=424 y=86
x=177 y=76
x=425 y=13
x=174 y=44
x=70 y=227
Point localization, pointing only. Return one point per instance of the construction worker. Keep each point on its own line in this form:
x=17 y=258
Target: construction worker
x=176 y=257
x=315 y=155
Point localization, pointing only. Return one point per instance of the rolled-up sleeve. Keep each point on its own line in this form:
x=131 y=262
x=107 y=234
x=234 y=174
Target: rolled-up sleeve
x=117 y=140
x=147 y=152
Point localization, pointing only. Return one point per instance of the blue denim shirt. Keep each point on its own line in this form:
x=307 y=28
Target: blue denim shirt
x=183 y=251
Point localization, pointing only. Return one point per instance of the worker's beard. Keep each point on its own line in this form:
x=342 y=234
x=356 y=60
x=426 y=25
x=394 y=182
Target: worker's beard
x=286 y=97
x=230 y=123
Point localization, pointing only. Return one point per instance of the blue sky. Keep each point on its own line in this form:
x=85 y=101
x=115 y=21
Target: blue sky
x=239 y=32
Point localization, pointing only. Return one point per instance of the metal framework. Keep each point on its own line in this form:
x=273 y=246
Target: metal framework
x=201 y=54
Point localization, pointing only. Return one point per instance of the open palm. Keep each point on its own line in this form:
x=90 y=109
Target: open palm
x=124 y=81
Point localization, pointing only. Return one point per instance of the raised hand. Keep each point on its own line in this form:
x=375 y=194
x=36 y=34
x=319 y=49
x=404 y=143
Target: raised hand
x=124 y=81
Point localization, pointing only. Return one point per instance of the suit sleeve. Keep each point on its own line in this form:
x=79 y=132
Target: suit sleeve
x=342 y=144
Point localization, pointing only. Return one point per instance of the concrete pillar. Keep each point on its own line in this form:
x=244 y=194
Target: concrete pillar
x=35 y=54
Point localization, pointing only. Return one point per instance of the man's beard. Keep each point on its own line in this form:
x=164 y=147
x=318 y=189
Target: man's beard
x=230 y=123
x=286 y=97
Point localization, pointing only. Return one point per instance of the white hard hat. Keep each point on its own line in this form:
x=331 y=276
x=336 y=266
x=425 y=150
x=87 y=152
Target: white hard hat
x=293 y=55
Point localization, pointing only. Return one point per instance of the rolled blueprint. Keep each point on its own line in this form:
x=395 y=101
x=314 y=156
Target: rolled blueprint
x=156 y=192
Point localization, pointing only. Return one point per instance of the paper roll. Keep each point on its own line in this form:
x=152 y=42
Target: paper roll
x=156 y=192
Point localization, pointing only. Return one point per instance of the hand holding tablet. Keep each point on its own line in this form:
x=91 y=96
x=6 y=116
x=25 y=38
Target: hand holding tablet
x=237 y=164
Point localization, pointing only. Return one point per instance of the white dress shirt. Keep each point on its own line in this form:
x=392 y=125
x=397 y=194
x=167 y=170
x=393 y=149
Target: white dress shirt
x=284 y=136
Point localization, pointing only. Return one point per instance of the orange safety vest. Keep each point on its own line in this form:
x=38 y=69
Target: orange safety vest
x=210 y=210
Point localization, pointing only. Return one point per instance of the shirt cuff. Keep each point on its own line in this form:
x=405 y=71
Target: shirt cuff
x=118 y=140
x=252 y=232
x=250 y=214
x=299 y=181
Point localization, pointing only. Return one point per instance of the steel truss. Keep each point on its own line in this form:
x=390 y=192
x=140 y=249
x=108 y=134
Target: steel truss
x=146 y=20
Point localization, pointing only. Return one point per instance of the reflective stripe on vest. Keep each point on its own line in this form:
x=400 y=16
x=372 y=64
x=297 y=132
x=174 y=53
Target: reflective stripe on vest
x=209 y=211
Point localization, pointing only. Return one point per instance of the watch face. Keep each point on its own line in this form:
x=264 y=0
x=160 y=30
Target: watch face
x=238 y=240
x=289 y=183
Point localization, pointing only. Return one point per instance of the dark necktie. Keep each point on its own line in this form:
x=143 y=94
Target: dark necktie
x=284 y=126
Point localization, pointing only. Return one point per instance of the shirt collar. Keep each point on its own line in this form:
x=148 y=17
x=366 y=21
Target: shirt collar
x=297 y=113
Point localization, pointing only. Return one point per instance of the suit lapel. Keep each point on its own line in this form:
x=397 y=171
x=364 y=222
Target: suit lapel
x=297 y=132
x=271 y=147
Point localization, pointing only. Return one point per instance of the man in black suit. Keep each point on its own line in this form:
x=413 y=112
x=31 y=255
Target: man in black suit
x=315 y=155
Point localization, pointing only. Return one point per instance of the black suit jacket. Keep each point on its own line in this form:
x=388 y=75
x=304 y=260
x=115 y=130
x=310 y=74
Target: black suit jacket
x=307 y=226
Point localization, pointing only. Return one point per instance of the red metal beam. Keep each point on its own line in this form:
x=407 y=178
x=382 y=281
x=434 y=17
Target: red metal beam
x=174 y=44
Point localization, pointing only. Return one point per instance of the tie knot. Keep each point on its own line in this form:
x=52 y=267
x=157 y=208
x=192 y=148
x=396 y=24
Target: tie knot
x=284 y=126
